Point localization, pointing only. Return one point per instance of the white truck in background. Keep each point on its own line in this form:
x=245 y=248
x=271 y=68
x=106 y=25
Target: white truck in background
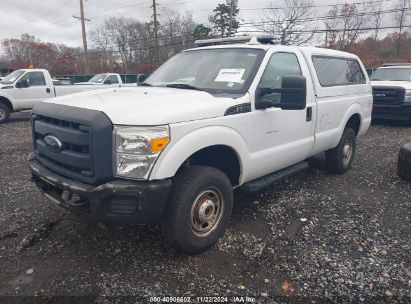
x=103 y=79
x=23 y=89
x=391 y=85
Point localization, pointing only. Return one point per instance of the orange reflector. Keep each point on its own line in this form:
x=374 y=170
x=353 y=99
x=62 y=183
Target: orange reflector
x=158 y=144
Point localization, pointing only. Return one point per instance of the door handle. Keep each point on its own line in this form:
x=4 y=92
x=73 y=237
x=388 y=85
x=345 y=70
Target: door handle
x=309 y=116
x=48 y=90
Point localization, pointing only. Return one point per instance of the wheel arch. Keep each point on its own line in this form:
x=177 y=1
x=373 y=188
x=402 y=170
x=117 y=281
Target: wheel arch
x=215 y=146
x=7 y=101
x=354 y=122
x=353 y=117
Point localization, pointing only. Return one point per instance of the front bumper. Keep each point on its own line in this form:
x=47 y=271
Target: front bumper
x=120 y=201
x=392 y=112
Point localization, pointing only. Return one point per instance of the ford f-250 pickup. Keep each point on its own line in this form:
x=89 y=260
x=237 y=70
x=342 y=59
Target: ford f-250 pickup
x=22 y=89
x=211 y=119
x=392 y=93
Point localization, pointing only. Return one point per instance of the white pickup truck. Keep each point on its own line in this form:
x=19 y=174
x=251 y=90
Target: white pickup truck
x=104 y=79
x=210 y=120
x=22 y=89
x=392 y=92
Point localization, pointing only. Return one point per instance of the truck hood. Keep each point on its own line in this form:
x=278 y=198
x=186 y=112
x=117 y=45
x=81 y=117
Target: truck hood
x=402 y=84
x=149 y=105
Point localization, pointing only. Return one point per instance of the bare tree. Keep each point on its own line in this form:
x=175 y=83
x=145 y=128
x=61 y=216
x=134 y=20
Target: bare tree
x=290 y=23
x=133 y=42
x=103 y=44
x=29 y=51
x=401 y=16
x=376 y=19
x=344 y=25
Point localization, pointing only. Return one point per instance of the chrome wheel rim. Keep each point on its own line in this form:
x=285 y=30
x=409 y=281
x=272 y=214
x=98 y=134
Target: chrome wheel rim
x=2 y=114
x=206 y=212
x=347 y=151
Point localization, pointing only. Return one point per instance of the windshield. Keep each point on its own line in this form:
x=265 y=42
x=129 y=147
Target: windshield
x=99 y=78
x=392 y=74
x=228 y=70
x=11 y=78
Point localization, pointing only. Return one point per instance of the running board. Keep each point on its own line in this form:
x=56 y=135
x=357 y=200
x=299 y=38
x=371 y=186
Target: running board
x=267 y=180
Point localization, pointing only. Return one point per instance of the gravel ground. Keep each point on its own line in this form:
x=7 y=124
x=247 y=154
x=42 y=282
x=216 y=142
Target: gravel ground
x=313 y=238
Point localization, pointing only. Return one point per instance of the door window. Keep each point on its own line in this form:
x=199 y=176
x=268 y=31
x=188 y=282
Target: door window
x=279 y=65
x=113 y=79
x=35 y=79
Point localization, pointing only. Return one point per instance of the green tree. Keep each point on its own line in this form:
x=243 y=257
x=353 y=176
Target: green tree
x=201 y=32
x=220 y=21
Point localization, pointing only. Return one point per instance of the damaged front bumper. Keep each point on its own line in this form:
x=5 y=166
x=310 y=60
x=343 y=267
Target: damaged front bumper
x=119 y=201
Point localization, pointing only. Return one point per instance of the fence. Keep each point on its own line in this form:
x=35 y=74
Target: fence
x=126 y=78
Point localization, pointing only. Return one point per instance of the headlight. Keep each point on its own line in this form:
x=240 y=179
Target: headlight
x=407 y=96
x=137 y=148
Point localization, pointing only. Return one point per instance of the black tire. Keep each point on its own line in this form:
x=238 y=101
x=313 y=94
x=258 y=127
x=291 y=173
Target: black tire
x=337 y=159
x=4 y=113
x=404 y=162
x=186 y=199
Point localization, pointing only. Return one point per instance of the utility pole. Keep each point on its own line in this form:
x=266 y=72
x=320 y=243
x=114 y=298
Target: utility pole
x=83 y=30
x=233 y=5
x=231 y=18
x=400 y=28
x=156 y=31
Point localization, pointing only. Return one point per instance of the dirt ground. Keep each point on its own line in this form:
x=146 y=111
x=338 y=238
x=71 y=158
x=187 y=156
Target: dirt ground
x=315 y=237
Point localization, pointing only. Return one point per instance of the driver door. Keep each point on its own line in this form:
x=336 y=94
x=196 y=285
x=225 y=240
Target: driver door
x=36 y=91
x=283 y=137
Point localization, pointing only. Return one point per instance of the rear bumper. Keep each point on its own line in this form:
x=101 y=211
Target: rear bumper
x=392 y=112
x=120 y=201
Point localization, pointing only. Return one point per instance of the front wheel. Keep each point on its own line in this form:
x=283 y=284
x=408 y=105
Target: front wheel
x=198 y=210
x=339 y=160
x=4 y=113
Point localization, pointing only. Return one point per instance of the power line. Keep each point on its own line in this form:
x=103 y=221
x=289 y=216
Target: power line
x=312 y=6
x=330 y=30
x=330 y=17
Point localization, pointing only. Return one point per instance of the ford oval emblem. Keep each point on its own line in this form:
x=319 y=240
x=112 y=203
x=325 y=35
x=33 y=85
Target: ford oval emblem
x=53 y=143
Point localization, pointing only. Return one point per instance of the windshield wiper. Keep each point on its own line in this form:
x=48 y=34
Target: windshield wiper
x=144 y=84
x=183 y=86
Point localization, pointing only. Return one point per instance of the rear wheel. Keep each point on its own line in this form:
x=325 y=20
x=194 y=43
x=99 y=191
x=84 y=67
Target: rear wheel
x=404 y=162
x=4 y=113
x=198 y=210
x=339 y=160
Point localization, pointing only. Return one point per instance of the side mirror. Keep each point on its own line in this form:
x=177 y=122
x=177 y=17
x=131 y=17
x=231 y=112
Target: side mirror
x=291 y=96
x=108 y=81
x=294 y=93
x=22 y=84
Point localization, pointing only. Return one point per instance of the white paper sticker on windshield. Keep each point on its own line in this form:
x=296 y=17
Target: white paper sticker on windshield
x=230 y=75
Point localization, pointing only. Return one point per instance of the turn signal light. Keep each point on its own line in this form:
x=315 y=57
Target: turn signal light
x=158 y=144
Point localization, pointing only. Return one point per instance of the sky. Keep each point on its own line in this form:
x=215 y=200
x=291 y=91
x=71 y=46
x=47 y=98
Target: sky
x=52 y=20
